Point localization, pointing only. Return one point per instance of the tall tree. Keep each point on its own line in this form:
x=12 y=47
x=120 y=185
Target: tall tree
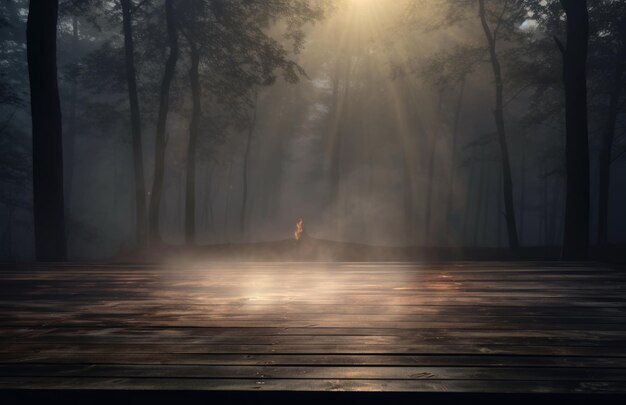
x=341 y=85
x=605 y=78
x=231 y=55
x=453 y=157
x=135 y=119
x=576 y=232
x=70 y=135
x=499 y=23
x=432 y=145
x=15 y=143
x=196 y=114
x=606 y=154
x=160 y=142
x=48 y=201
x=610 y=71
x=246 y=162
x=491 y=35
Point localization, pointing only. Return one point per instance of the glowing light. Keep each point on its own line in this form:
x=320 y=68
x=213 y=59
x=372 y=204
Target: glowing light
x=298 y=233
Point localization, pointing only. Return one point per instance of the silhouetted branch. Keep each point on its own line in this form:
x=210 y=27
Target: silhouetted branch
x=559 y=44
x=500 y=19
x=138 y=6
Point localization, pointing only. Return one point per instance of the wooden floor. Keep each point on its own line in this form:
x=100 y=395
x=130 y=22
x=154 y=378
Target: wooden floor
x=458 y=327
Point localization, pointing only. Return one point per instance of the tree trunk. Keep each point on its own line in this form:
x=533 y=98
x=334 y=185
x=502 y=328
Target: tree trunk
x=228 y=194
x=196 y=114
x=160 y=144
x=455 y=132
x=47 y=136
x=338 y=116
x=135 y=120
x=467 y=200
x=8 y=234
x=407 y=186
x=576 y=232
x=335 y=178
x=203 y=191
x=555 y=210
x=246 y=162
x=546 y=211
x=431 y=175
x=178 y=220
x=522 y=204
x=209 y=219
x=9 y=239
x=559 y=218
x=479 y=196
x=507 y=182
x=499 y=210
x=606 y=156
x=484 y=229
x=70 y=135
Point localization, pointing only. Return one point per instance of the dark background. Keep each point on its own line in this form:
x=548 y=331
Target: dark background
x=372 y=120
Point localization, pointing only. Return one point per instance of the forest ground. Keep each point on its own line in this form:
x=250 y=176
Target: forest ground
x=312 y=249
x=468 y=332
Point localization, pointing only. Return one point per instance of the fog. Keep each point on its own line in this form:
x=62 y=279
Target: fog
x=387 y=137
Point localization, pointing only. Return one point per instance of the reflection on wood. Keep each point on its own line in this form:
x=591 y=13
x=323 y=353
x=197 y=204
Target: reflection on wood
x=459 y=327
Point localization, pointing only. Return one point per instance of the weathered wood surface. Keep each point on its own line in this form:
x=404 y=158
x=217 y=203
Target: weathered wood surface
x=457 y=327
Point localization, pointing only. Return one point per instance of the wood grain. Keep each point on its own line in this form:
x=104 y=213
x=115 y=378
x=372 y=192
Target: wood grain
x=402 y=327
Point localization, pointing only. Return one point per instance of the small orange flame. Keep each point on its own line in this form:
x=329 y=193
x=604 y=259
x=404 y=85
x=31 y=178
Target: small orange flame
x=298 y=233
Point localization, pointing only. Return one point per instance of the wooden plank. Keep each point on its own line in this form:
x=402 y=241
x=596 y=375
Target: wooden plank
x=190 y=384
x=369 y=340
x=123 y=322
x=472 y=327
x=182 y=316
x=476 y=349
x=315 y=359
x=9 y=334
x=309 y=308
x=313 y=372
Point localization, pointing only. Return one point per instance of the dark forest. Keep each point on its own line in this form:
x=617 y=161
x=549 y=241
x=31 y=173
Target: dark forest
x=309 y=201
x=130 y=125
